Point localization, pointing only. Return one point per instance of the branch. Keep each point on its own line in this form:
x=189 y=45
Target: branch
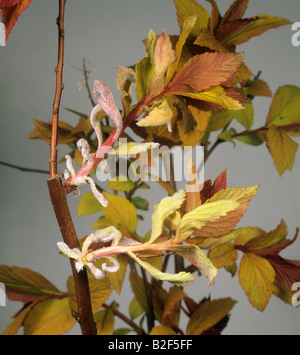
x=87 y=84
x=59 y=200
x=30 y=170
x=59 y=89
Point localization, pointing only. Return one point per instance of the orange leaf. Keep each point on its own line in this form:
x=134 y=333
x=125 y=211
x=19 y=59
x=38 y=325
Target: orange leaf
x=236 y=10
x=11 y=14
x=203 y=71
x=8 y=3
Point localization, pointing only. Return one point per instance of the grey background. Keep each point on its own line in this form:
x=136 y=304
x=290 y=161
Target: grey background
x=108 y=34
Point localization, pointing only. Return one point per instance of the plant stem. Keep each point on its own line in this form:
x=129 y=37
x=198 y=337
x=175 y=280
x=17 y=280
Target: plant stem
x=122 y=316
x=22 y=168
x=150 y=312
x=58 y=196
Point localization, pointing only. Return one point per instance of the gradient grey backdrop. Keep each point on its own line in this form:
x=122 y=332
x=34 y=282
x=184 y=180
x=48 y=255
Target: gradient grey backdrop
x=108 y=34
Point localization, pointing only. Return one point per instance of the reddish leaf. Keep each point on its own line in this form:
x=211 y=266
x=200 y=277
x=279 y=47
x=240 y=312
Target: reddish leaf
x=228 y=28
x=287 y=272
x=8 y=3
x=220 y=182
x=236 y=10
x=11 y=14
x=203 y=71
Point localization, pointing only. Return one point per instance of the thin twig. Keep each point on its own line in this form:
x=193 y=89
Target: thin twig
x=58 y=90
x=150 y=311
x=87 y=84
x=122 y=316
x=22 y=168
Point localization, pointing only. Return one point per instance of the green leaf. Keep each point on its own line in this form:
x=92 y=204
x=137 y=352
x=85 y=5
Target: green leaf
x=140 y=203
x=162 y=210
x=285 y=108
x=144 y=71
x=245 y=117
x=181 y=279
x=88 y=204
x=227 y=135
x=135 y=309
x=251 y=139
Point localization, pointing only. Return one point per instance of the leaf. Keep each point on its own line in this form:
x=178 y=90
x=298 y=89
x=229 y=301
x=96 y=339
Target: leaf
x=251 y=139
x=203 y=71
x=188 y=25
x=160 y=114
x=49 y=317
x=121 y=183
x=100 y=291
x=258 y=87
x=144 y=71
x=236 y=11
x=282 y=148
x=135 y=309
x=187 y=8
x=132 y=148
x=105 y=321
x=18 y=320
x=216 y=95
x=219 y=119
x=197 y=257
x=269 y=239
x=198 y=218
x=192 y=190
x=285 y=108
x=140 y=203
x=256 y=276
x=11 y=14
x=208 y=314
x=207 y=39
x=175 y=295
x=112 y=211
x=227 y=223
x=224 y=255
x=261 y=24
x=162 y=210
x=245 y=117
x=138 y=289
x=25 y=285
x=8 y=3
x=117 y=278
x=162 y=330
x=126 y=77
x=88 y=204
x=181 y=279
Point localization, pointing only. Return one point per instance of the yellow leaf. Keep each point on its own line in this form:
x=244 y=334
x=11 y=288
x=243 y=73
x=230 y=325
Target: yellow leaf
x=207 y=39
x=100 y=291
x=117 y=278
x=102 y=223
x=247 y=234
x=261 y=24
x=208 y=314
x=88 y=204
x=187 y=8
x=267 y=240
x=224 y=255
x=112 y=211
x=198 y=218
x=175 y=295
x=105 y=322
x=219 y=119
x=282 y=148
x=259 y=87
x=132 y=148
x=49 y=317
x=161 y=114
x=215 y=94
x=162 y=330
x=162 y=210
x=121 y=183
x=256 y=276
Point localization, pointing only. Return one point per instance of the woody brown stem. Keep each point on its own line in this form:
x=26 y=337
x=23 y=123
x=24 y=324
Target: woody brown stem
x=58 y=195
